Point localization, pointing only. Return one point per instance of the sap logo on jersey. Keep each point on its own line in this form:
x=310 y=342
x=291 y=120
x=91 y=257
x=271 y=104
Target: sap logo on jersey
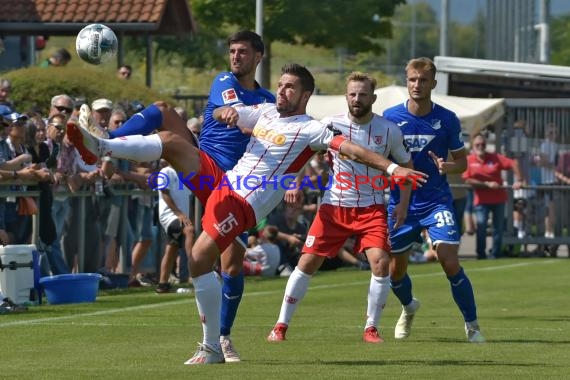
x=415 y=143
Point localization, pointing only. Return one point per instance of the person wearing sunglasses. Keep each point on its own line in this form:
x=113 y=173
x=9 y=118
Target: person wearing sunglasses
x=61 y=104
x=484 y=174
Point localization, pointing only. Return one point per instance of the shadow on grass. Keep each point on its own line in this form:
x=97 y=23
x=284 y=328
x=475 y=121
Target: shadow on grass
x=499 y=341
x=415 y=362
x=433 y=363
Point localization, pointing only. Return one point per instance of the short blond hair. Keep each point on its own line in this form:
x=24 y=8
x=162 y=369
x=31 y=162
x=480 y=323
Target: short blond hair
x=357 y=76
x=422 y=63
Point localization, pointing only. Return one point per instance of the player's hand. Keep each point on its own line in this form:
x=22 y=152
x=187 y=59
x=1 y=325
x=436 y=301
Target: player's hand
x=399 y=214
x=416 y=178
x=229 y=116
x=440 y=163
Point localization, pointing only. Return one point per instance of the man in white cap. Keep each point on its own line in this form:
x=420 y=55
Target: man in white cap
x=102 y=112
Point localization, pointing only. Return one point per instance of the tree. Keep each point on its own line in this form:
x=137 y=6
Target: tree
x=559 y=38
x=331 y=24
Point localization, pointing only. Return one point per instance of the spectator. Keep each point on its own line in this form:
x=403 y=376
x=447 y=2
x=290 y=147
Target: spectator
x=5 y=90
x=101 y=112
x=547 y=162
x=484 y=174
x=519 y=146
x=174 y=215
x=264 y=257
x=60 y=57
x=292 y=231
x=124 y=72
x=113 y=170
x=77 y=103
x=58 y=207
x=61 y=104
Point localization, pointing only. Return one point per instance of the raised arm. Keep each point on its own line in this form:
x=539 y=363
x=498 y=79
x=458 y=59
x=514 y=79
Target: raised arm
x=374 y=160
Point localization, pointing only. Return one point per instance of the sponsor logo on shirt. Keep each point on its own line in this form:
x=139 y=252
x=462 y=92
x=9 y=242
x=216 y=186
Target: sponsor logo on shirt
x=416 y=143
x=229 y=96
x=224 y=78
x=269 y=135
x=401 y=123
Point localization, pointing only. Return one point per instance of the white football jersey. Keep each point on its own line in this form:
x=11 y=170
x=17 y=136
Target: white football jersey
x=278 y=149
x=352 y=184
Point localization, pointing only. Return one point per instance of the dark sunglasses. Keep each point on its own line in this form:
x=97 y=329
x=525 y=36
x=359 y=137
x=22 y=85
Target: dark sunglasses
x=480 y=144
x=60 y=127
x=63 y=109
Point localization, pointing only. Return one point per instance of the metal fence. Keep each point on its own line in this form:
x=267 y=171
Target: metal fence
x=525 y=128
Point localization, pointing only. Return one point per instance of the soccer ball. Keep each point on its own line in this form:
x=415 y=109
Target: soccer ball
x=96 y=43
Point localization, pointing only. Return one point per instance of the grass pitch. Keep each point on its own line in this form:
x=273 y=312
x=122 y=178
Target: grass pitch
x=523 y=307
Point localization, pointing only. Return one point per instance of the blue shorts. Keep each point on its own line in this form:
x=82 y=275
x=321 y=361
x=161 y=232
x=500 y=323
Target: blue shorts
x=439 y=221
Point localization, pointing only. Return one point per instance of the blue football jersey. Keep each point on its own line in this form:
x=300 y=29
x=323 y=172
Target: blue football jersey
x=439 y=132
x=226 y=145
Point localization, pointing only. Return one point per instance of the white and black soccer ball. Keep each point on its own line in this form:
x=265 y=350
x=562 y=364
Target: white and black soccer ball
x=96 y=43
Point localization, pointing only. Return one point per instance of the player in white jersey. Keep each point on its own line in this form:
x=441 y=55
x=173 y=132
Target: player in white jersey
x=283 y=139
x=353 y=207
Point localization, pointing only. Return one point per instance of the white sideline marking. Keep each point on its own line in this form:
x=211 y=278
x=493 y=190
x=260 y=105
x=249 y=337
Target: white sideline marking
x=252 y=294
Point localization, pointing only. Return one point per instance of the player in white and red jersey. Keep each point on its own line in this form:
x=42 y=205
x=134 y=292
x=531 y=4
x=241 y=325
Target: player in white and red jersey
x=354 y=207
x=283 y=139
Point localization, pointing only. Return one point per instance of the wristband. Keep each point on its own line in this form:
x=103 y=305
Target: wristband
x=391 y=168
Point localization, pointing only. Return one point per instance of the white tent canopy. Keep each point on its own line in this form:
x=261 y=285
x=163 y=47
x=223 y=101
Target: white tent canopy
x=474 y=113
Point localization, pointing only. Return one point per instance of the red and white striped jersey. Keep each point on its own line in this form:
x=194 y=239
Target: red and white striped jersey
x=352 y=184
x=278 y=149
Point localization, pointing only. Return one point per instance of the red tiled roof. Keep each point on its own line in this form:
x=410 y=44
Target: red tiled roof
x=57 y=16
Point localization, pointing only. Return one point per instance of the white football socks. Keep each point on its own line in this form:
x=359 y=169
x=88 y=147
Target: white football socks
x=135 y=148
x=377 y=296
x=208 y=292
x=295 y=291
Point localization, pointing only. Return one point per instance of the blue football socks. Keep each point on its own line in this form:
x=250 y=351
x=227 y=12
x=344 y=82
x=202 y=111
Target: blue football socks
x=403 y=289
x=141 y=123
x=231 y=297
x=462 y=292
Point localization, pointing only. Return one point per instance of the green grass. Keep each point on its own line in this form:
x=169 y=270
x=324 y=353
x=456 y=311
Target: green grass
x=522 y=304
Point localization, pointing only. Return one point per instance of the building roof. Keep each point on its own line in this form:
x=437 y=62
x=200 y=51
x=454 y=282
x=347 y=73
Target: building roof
x=67 y=17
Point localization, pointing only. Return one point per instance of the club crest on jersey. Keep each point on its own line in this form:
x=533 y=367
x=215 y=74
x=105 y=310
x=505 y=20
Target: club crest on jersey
x=229 y=96
x=378 y=140
x=415 y=143
x=436 y=124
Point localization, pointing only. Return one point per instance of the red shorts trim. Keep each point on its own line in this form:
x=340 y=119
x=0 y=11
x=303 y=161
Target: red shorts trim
x=333 y=225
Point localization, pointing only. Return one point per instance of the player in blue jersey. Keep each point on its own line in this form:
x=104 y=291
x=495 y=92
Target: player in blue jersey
x=225 y=146
x=430 y=133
